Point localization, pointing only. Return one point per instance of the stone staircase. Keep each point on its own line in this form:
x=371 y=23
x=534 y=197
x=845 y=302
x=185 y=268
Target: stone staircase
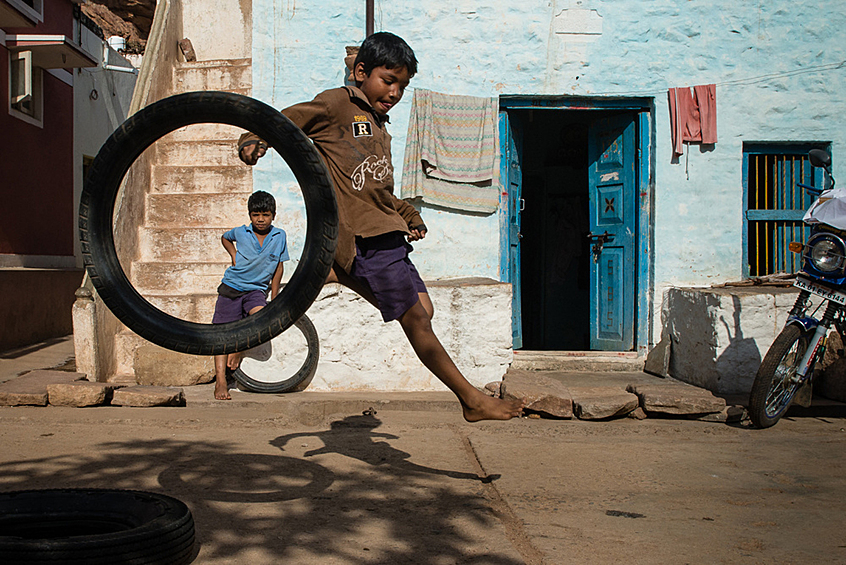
x=198 y=189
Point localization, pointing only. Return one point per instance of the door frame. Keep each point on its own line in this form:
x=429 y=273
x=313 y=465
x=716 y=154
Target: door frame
x=644 y=110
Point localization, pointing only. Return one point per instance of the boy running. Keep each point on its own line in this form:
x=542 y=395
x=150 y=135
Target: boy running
x=348 y=128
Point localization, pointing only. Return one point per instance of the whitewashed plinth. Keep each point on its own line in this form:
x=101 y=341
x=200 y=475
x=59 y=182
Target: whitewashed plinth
x=360 y=352
x=720 y=335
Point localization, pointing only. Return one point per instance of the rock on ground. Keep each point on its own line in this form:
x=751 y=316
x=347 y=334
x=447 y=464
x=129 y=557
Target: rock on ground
x=80 y=393
x=598 y=403
x=31 y=388
x=146 y=396
x=674 y=398
x=542 y=394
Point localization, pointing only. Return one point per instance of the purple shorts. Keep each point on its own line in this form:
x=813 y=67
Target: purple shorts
x=233 y=309
x=381 y=263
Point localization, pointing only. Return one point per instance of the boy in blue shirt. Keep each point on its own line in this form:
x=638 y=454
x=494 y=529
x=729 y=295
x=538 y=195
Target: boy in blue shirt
x=257 y=251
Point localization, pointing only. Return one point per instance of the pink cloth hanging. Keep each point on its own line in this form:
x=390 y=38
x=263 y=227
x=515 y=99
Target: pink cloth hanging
x=693 y=115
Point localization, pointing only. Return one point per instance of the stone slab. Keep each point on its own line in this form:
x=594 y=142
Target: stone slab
x=147 y=396
x=31 y=389
x=676 y=399
x=157 y=366
x=80 y=394
x=599 y=403
x=542 y=394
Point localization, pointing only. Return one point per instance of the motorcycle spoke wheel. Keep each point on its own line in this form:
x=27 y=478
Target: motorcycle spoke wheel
x=777 y=380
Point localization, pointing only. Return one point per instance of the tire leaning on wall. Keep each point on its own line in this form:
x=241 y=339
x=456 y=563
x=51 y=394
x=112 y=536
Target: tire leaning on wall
x=100 y=193
x=300 y=379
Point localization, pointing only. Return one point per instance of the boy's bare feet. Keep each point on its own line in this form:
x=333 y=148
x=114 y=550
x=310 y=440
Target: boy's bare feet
x=486 y=407
x=221 y=390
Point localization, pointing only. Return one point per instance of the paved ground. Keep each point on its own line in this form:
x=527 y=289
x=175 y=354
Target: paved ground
x=309 y=478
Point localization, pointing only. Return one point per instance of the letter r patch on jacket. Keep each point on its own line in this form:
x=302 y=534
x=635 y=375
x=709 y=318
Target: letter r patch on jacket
x=362 y=129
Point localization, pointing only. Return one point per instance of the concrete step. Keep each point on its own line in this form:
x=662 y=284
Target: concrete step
x=198 y=153
x=213 y=75
x=222 y=210
x=195 y=308
x=205 y=132
x=192 y=307
x=177 y=278
x=194 y=179
x=196 y=245
x=578 y=361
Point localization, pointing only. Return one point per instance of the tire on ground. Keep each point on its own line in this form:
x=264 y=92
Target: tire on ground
x=94 y=527
x=298 y=380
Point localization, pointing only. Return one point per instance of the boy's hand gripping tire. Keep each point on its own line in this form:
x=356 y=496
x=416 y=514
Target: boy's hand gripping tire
x=100 y=193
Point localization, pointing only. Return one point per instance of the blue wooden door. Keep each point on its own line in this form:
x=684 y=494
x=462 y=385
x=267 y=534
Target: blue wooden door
x=510 y=140
x=612 y=195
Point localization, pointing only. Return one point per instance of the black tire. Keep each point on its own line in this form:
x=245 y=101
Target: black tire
x=298 y=379
x=98 y=201
x=94 y=527
x=775 y=384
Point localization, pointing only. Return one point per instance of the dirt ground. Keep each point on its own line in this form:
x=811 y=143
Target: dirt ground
x=281 y=481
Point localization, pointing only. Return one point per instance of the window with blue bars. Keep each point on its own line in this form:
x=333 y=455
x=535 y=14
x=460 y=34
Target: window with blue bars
x=774 y=205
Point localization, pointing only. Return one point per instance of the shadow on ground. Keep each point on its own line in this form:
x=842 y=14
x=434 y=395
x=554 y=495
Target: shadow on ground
x=372 y=505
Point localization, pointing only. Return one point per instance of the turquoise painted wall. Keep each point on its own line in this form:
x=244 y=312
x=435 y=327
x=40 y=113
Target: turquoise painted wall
x=775 y=64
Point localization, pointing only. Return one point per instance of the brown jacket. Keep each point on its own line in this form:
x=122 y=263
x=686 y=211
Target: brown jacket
x=356 y=146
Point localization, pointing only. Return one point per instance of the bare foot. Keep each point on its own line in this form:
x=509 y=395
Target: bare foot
x=486 y=407
x=221 y=391
x=234 y=360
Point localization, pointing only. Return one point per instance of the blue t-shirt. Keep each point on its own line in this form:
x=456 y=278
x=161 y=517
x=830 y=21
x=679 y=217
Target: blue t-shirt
x=254 y=263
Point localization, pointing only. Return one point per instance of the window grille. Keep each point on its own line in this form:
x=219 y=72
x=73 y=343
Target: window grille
x=775 y=205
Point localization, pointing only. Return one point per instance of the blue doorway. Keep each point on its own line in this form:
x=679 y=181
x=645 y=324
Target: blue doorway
x=577 y=181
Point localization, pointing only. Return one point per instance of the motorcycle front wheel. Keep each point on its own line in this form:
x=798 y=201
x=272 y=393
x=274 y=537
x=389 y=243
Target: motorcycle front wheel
x=777 y=381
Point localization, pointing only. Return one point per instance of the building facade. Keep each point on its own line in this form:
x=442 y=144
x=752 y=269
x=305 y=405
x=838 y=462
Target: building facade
x=601 y=211
x=45 y=141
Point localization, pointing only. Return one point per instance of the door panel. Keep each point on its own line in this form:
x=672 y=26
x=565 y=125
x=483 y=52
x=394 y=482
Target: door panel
x=613 y=222
x=512 y=178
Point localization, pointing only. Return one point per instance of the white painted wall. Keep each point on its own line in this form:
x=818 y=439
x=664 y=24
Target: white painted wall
x=775 y=65
x=218 y=29
x=101 y=103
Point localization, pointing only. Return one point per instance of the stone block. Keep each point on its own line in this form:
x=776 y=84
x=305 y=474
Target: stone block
x=598 y=403
x=157 y=366
x=146 y=396
x=80 y=394
x=726 y=415
x=493 y=389
x=658 y=359
x=358 y=351
x=720 y=335
x=542 y=394
x=31 y=389
x=676 y=399
x=637 y=414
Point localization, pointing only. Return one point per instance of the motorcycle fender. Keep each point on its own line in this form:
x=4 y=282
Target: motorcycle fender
x=806 y=323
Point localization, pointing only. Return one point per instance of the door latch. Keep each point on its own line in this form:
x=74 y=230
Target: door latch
x=598 y=240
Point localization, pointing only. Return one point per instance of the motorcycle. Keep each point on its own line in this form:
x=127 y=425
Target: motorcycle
x=788 y=365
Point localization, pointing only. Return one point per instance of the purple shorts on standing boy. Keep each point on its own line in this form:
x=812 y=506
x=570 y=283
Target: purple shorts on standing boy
x=233 y=309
